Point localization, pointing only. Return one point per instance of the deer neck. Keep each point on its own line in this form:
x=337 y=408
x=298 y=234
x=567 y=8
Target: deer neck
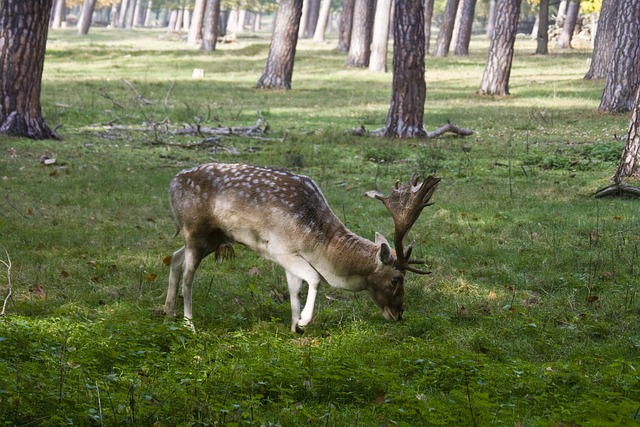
x=345 y=260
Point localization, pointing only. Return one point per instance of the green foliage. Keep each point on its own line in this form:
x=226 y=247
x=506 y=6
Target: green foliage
x=530 y=316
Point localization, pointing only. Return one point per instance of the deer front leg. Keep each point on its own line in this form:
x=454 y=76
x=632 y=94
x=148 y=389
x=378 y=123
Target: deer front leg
x=175 y=274
x=294 y=283
x=189 y=265
x=303 y=272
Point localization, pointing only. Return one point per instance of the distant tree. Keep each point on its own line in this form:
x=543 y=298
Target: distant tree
x=542 y=38
x=569 y=25
x=495 y=80
x=323 y=19
x=346 y=25
x=380 y=39
x=197 y=18
x=445 y=34
x=428 y=15
x=278 y=70
x=85 y=17
x=23 y=36
x=361 y=33
x=406 y=112
x=623 y=74
x=59 y=14
x=604 y=40
x=210 y=27
x=466 y=24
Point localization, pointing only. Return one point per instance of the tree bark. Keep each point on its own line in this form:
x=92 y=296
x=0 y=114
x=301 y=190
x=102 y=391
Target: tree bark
x=466 y=24
x=361 y=33
x=23 y=36
x=491 y=19
x=542 y=38
x=446 y=29
x=623 y=74
x=346 y=26
x=131 y=15
x=210 y=29
x=604 y=40
x=278 y=70
x=85 y=17
x=629 y=161
x=406 y=112
x=564 y=41
x=495 y=80
x=197 y=18
x=380 y=40
x=312 y=21
x=428 y=15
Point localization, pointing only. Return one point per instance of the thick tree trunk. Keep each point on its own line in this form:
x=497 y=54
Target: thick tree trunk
x=564 y=41
x=562 y=13
x=361 y=33
x=279 y=68
x=406 y=112
x=197 y=18
x=346 y=26
x=623 y=75
x=542 y=38
x=495 y=80
x=131 y=14
x=604 y=40
x=122 y=19
x=23 y=36
x=466 y=23
x=630 y=159
x=314 y=14
x=323 y=19
x=446 y=29
x=210 y=29
x=148 y=14
x=491 y=19
x=428 y=15
x=378 y=60
x=85 y=17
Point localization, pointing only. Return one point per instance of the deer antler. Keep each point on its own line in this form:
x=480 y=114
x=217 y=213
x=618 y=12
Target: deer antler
x=405 y=203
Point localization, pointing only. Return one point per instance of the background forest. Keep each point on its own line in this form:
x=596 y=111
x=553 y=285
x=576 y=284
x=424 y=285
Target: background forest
x=530 y=315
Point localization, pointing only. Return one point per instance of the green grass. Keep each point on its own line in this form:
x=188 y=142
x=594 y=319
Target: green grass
x=530 y=316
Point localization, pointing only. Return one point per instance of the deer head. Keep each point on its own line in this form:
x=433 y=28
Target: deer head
x=405 y=203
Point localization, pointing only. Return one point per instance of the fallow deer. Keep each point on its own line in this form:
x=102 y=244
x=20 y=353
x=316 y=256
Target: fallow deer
x=285 y=218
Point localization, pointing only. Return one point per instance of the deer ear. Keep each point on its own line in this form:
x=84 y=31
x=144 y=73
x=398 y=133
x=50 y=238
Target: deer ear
x=384 y=253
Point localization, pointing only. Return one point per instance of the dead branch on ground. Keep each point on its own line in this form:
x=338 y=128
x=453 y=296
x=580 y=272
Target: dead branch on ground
x=618 y=190
x=7 y=264
x=447 y=128
x=139 y=97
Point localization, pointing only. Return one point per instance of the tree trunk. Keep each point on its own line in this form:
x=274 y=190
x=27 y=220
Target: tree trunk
x=85 y=17
x=346 y=26
x=628 y=166
x=122 y=19
x=23 y=37
x=491 y=19
x=495 y=80
x=148 y=13
x=114 y=15
x=623 y=75
x=562 y=13
x=406 y=112
x=360 y=46
x=466 y=24
x=380 y=40
x=542 y=38
x=446 y=29
x=564 y=41
x=131 y=14
x=604 y=40
x=211 y=22
x=195 y=29
x=59 y=14
x=312 y=20
x=279 y=67
x=428 y=15
x=323 y=18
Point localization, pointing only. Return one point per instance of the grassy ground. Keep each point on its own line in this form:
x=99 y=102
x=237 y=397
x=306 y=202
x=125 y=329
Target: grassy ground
x=529 y=318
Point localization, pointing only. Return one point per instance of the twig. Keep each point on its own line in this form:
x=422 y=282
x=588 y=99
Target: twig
x=112 y=99
x=166 y=98
x=142 y=99
x=7 y=264
x=99 y=405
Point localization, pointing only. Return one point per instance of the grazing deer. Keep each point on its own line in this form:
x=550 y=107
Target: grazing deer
x=285 y=218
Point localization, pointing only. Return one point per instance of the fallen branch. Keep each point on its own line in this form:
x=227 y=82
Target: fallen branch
x=618 y=190
x=449 y=127
x=112 y=99
x=166 y=98
x=141 y=98
x=7 y=264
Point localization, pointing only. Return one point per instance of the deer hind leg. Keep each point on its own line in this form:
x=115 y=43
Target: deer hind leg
x=175 y=275
x=191 y=261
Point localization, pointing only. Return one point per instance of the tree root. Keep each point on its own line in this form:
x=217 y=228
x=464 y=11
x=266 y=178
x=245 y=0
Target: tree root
x=618 y=190
x=447 y=128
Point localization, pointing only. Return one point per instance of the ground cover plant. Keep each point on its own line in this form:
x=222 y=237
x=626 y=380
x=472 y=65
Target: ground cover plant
x=530 y=316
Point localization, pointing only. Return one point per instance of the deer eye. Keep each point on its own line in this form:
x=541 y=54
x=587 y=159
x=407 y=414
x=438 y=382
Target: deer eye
x=395 y=282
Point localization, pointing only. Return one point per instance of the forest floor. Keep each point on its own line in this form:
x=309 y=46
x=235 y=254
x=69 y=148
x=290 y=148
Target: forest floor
x=530 y=315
